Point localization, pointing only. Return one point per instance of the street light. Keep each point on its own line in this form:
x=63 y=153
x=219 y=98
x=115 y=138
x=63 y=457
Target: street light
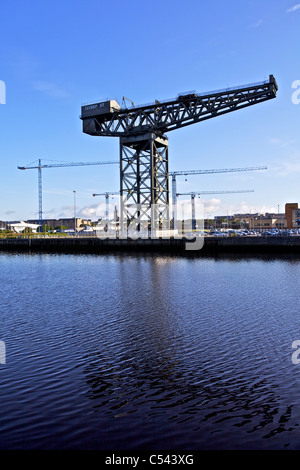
x=74 y=211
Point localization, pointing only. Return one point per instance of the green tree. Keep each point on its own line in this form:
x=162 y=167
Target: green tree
x=27 y=230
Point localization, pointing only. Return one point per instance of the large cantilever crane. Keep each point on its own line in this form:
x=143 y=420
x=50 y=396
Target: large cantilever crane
x=54 y=165
x=199 y=193
x=107 y=194
x=144 y=162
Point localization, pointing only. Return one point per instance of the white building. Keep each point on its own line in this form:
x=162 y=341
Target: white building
x=20 y=226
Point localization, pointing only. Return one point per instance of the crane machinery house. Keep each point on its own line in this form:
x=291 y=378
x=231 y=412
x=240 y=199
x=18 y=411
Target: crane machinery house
x=104 y=108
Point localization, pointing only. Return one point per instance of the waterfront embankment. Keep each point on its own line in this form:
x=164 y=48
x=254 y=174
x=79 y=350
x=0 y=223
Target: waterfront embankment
x=282 y=244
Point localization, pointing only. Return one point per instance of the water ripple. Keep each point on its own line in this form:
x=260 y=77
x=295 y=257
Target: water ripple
x=149 y=352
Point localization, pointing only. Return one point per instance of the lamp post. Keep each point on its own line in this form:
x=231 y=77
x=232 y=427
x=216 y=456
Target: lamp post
x=74 y=211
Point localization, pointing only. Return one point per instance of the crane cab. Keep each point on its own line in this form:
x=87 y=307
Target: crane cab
x=103 y=109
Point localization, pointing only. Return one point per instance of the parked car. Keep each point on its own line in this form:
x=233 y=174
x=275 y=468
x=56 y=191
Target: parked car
x=266 y=233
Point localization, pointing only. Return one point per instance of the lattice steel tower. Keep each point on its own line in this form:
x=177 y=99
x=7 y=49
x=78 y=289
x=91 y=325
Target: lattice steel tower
x=144 y=167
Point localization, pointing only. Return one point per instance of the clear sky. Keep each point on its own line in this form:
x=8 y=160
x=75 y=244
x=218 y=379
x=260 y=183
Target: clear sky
x=57 y=55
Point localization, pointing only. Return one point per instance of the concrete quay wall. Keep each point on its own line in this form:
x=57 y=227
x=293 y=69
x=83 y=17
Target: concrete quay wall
x=212 y=245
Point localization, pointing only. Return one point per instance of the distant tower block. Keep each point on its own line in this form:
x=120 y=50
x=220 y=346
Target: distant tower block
x=144 y=178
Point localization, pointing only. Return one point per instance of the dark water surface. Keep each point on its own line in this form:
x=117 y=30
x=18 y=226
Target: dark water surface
x=149 y=352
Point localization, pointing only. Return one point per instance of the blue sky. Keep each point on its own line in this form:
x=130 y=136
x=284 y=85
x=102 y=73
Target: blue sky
x=57 y=55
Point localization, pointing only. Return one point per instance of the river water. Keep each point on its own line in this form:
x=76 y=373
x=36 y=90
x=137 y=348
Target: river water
x=149 y=352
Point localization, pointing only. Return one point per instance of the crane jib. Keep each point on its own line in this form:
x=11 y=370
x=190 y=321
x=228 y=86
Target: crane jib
x=108 y=119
